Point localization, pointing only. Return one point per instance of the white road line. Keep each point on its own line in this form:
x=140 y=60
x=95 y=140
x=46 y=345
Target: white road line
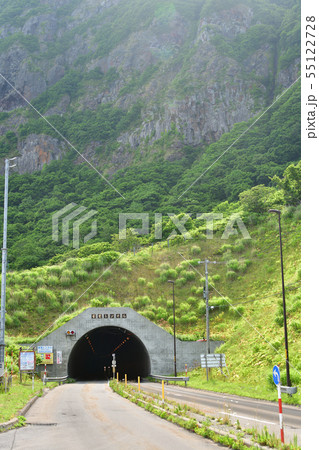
x=247 y=418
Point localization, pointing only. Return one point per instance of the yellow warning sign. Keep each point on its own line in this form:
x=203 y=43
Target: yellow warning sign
x=46 y=358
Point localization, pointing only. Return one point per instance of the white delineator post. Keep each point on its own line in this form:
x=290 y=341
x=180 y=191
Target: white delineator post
x=280 y=413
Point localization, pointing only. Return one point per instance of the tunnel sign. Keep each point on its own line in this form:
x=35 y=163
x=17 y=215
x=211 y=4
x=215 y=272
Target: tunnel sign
x=45 y=349
x=113 y=360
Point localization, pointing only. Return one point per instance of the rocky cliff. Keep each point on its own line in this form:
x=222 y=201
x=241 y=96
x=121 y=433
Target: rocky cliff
x=194 y=67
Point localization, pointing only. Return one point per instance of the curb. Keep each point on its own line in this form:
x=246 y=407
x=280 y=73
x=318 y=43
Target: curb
x=6 y=426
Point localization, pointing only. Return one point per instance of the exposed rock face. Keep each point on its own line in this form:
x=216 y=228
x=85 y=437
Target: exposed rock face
x=37 y=150
x=190 y=84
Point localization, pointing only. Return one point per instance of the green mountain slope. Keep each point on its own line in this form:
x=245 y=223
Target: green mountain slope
x=245 y=290
x=264 y=151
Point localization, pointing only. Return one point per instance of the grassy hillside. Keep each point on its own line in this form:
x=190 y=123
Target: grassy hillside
x=245 y=288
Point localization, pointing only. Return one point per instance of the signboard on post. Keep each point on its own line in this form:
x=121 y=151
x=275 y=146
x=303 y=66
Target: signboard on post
x=46 y=358
x=27 y=361
x=276 y=375
x=276 y=378
x=216 y=360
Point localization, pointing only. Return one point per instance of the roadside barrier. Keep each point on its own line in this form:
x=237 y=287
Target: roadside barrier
x=167 y=379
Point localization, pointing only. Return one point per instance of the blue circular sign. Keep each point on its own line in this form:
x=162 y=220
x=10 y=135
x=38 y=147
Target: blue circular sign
x=276 y=374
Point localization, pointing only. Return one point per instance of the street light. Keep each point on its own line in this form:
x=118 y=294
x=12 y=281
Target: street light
x=4 y=264
x=283 y=297
x=174 y=326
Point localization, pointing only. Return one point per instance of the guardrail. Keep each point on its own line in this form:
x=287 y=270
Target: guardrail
x=59 y=380
x=167 y=379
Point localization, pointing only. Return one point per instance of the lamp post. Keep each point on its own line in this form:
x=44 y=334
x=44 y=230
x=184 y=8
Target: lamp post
x=174 y=326
x=278 y=212
x=4 y=265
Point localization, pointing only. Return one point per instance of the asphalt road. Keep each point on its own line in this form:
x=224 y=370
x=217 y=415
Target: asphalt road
x=249 y=412
x=89 y=416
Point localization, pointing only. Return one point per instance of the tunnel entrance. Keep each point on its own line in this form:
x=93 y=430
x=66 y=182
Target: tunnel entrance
x=91 y=356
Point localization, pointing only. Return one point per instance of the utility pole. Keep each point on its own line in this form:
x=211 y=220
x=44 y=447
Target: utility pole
x=4 y=266
x=206 y=293
x=174 y=324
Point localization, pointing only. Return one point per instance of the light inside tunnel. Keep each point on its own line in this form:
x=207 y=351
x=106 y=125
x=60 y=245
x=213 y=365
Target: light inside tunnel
x=91 y=356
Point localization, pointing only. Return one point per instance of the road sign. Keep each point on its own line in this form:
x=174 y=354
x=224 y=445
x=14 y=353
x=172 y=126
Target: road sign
x=216 y=360
x=276 y=375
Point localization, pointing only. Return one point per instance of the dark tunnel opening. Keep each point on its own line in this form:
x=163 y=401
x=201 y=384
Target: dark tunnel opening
x=91 y=356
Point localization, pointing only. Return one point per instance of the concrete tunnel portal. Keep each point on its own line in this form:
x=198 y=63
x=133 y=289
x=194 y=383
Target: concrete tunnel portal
x=91 y=356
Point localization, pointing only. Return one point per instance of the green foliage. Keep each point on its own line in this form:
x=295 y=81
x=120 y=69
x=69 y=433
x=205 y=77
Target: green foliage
x=78 y=127
x=290 y=184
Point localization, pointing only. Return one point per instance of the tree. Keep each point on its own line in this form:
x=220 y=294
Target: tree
x=290 y=184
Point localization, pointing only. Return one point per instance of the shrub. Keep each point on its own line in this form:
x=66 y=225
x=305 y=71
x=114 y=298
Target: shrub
x=161 y=313
x=142 y=301
x=70 y=307
x=170 y=320
x=201 y=307
x=222 y=304
x=150 y=285
x=71 y=263
x=11 y=304
x=180 y=282
x=239 y=246
x=216 y=277
x=185 y=307
x=27 y=292
x=45 y=295
x=141 y=281
x=67 y=296
x=124 y=265
x=106 y=300
x=127 y=305
x=237 y=311
x=190 y=275
x=115 y=305
x=165 y=266
x=40 y=310
x=53 y=280
x=195 y=250
x=169 y=304
x=226 y=247
x=81 y=274
x=96 y=303
x=21 y=315
x=148 y=314
x=9 y=321
x=30 y=281
x=40 y=281
x=55 y=270
x=188 y=318
x=19 y=296
x=67 y=277
x=192 y=301
x=231 y=275
x=233 y=264
x=296 y=325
